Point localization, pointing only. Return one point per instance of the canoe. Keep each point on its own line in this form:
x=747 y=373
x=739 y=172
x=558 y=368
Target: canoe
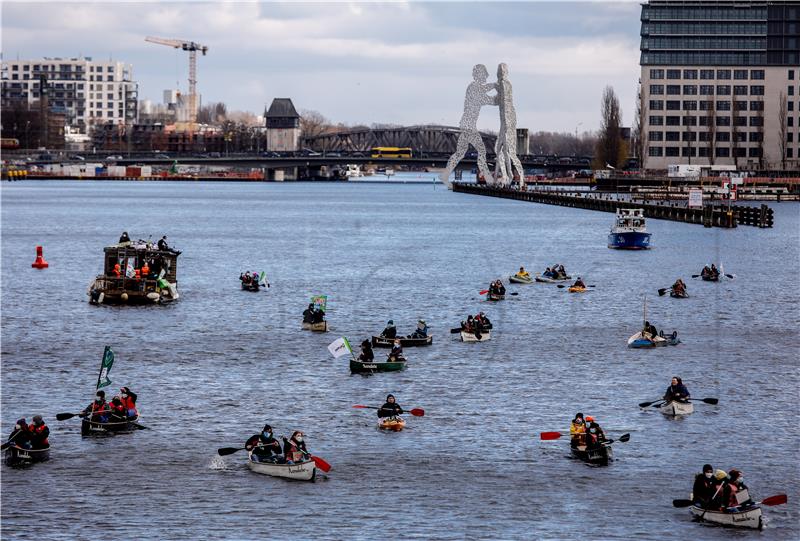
x=546 y=280
x=299 y=471
x=710 y=278
x=747 y=518
x=96 y=428
x=322 y=326
x=675 y=295
x=358 y=367
x=252 y=286
x=381 y=342
x=392 y=423
x=470 y=337
x=600 y=455
x=644 y=340
x=520 y=280
x=675 y=407
x=576 y=289
x=18 y=457
x=494 y=297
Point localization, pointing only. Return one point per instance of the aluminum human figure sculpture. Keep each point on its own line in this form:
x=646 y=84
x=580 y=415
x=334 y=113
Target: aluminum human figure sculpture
x=476 y=97
x=506 y=146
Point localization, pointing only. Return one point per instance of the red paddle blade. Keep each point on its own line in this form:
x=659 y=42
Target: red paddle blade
x=550 y=435
x=484 y=292
x=418 y=412
x=321 y=464
x=778 y=499
x=358 y=406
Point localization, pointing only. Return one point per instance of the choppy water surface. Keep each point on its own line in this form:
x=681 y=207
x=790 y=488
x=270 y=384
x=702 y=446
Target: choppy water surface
x=212 y=368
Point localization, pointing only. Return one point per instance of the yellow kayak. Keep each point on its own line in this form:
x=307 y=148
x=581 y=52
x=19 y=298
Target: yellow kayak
x=392 y=423
x=575 y=289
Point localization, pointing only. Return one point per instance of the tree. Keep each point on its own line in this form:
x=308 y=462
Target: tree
x=760 y=132
x=711 y=121
x=639 y=142
x=313 y=123
x=687 y=133
x=782 y=128
x=735 y=116
x=610 y=146
x=545 y=143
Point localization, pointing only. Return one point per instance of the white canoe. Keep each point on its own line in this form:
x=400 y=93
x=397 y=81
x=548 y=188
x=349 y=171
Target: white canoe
x=546 y=280
x=645 y=340
x=469 y=337
x=322 y=326
x=299 y=471
x=749 y=518
x=520 y=279
x=675 y=407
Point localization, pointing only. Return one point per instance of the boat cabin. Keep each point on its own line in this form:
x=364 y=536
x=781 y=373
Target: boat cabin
x=136 y=273
x=630 y=219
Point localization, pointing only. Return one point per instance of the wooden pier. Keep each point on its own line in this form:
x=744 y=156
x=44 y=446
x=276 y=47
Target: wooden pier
x=711 y=215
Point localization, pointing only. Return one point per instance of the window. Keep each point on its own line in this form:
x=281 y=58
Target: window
x=754 y=152
x=672 y=151
x=689 y=151
x=756 y=105
x=790 y=106
x=15 y=67
x=790 y=137
x=690 y=120
x=690 y=74
x=740 y=90
x=690 y=90
x=757 y=90
x=757 y=75
x=723 y=121
x=723 y=90
x=14 y=77
x=740 y=152
x=110 y=78
x=673 y=90
x=706 y=105
x=673 y=121
x=790 y=122
x=689 y=136
x=723 y=152
x=788 y=152
x=656 y=89
x=656 y=74
x=655 y=136
x=673 y=105
x=756 y=137
x=740 y=75
x=740 y=105
x=689 y=105
x=656 y=105
x=673 y=136
x=740 y=121
x=723 y=74
x=791 y=75
x=723 y=105
x=790 y=90
x=110 y=96
x=706 y=74
x=756 y=121
x=655 y=151
x=673 y=74
x=656 y=120
x=702 y=152
x=706 y=90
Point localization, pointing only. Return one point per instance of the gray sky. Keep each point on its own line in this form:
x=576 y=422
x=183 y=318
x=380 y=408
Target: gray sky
x=356 y=62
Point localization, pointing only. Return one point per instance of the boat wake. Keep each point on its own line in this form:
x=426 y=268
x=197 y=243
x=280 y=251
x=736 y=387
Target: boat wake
x=217 y=463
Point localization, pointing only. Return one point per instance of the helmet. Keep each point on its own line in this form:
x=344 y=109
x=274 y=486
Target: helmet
x=390 y=322
x=589 y=419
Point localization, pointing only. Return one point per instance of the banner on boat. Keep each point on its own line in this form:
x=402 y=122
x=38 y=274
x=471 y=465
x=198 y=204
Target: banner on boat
x=130 y=272
x=340 y=348
x=320 y=301
x=105 y=368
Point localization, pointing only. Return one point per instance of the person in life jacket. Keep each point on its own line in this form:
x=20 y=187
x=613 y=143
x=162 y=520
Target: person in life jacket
x=117 y=410
x=366 y=355
x=264 y=446
x=396 y=354
x=294 y=449
x=39 y=433
x=677 y=391
x=705 y=487
x=577 y=431
x=594 y=434
x=128 y=399
x=308 y=314
x=145 y=270
x=117 y=270
x=579 y=283
x=390 y=409
x=421 y=331
x=523 y=273
x=734 y=493
x=98 y=409
x=21 y=435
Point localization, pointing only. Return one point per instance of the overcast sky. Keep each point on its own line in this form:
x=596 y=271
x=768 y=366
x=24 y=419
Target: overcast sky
x=356 y=62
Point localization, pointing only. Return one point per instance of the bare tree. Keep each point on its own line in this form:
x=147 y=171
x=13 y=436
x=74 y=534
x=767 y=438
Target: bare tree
x=735 y=115
x=545 y=143
x=782 y=114
x=760 y=131
x=639 y=142
x=687 y=132
x=610 y=146
x=312 y=123
x=711 y=120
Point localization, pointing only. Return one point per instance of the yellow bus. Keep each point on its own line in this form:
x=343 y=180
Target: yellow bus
x=390 y=152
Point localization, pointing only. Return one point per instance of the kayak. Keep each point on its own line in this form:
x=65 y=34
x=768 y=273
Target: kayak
x=675 y=295
x=494 y=297
x=470 y=337
x=392 y=423
x=299 y=471
x=710 y=278
x=547 y=280
x=381 y=342
x=18 y=457
x=576 y=289
x=322 y=326
x=251 y=286
x=359 y=367
x=599 y=455
x=96 y=428
x=645 y=340
x=520 y=279
x=675 y=407
x=749 y=517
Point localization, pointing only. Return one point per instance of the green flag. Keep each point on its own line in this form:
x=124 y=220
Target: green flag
x=105 y=368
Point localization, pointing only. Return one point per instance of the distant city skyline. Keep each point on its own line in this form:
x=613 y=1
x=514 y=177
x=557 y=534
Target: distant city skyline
x=357 y=62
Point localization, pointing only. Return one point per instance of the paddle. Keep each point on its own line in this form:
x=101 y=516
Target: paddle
x=484 y=292
x=622 y=439
x=557 y=435
x=65 y=416
x=5 y=446
x=561 y=286
x=416 y=412
x=662 y=291
x=778 y=499
x=712 y=401
x=647 y=404
x=320 y=462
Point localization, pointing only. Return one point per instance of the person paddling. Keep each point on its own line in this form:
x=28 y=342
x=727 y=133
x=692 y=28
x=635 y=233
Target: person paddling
x=677 y=391
x=391 y=408
x=594 y=434
x=128 y=399
x=264 y=446
x=390 y=331
x=705 y=487
x=421 y=331
x=21 y=435
x=579 y=283
x=294 y=449
x=523 y=273
x=649 y=329
x=577 y=431
x=308 y=314
x=39 y=433
x=396 y=355
x=366 y=355
x=679 y=288
x=98 y=409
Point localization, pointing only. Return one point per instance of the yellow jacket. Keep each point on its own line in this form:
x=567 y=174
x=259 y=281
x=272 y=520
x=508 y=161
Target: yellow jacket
x=575 y=429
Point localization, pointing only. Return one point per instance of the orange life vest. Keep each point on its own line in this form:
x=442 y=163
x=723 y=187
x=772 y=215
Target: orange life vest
x=128 y=403
x=37 y=430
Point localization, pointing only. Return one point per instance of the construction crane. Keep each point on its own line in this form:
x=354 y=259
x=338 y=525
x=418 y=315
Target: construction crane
x=192 y=47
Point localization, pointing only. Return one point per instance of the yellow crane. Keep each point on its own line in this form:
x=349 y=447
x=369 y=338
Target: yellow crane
x=192 y=47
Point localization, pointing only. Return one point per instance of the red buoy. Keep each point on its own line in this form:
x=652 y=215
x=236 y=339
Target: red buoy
x=40 y=263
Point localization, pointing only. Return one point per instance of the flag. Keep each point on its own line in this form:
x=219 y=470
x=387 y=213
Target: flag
x=340 y=347
x=105 y=368
x=130 y=272
x=320 y=301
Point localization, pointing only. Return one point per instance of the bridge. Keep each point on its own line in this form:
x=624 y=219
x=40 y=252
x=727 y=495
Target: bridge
x=429 y=141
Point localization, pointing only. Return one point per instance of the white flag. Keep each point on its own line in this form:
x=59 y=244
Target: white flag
x=130 y=272
x=340 y=347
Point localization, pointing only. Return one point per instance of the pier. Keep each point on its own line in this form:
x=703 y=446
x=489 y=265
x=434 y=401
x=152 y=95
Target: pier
x=711 y=215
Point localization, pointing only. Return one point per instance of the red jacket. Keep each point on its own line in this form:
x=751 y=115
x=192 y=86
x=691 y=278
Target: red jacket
x=128 y=402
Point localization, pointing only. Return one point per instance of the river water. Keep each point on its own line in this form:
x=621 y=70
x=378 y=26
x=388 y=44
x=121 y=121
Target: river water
x=211 y=369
